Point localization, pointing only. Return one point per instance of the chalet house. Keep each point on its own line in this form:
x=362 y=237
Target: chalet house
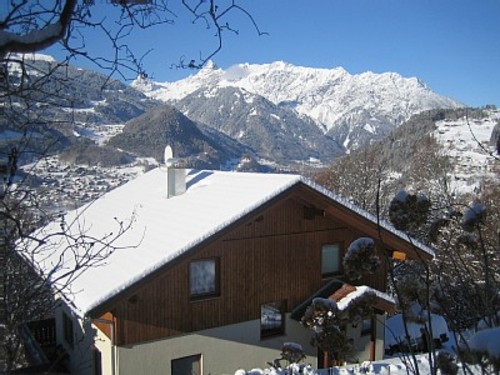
x=212 y=272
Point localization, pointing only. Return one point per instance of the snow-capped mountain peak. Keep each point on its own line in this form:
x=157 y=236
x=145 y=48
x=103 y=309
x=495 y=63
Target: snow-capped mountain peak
x=343 y=105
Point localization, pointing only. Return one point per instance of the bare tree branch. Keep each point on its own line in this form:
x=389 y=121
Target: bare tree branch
x=38 y=39
x=32 y=92
x=210 y=13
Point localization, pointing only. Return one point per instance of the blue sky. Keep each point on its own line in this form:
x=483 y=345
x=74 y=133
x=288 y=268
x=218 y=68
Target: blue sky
x=452 y=45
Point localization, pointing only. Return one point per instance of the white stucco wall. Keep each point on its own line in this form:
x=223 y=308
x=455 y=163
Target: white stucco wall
x=362 y=343
x=80 y=356
x=223 y=350
x=103 y=344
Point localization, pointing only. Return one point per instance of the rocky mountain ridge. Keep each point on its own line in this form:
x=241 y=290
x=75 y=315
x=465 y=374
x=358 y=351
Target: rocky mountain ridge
x=102 y=123
x=271 y=132
x=353 y=110
x=148 y=134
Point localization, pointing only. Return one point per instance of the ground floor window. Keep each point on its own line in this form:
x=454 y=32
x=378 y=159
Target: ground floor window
x=272 y=318
x=190 y=365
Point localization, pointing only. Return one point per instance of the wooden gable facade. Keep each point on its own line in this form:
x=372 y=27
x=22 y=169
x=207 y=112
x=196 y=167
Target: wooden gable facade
x=274 y=253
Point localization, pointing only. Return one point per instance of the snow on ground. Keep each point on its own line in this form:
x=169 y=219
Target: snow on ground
x=100 y=134
x=486 y=341
x=388 y=366
x=467 y=144
x=391 y=366
x=394 y=332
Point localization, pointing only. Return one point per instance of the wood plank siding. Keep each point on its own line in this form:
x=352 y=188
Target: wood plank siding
x=272 y=254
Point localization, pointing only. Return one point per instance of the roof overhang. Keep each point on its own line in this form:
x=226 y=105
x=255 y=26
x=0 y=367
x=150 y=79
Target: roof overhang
x=345 y=294
x=395 y=240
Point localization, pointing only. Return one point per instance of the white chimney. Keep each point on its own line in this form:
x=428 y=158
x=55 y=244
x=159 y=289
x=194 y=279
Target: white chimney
x=176 y=177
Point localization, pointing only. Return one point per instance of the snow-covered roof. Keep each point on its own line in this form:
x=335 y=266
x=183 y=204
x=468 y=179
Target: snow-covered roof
x=395 y=328
x=360 y=292
x=486 y=342
x=338 y=295
x=161 y=228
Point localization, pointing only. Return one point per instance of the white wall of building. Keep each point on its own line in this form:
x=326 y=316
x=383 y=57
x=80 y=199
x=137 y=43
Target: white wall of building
x=223 y=350
x=80 y=359
x=362 y=342
x=108 y=352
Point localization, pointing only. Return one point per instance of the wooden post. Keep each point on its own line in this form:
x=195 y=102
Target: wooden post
x=326 y=362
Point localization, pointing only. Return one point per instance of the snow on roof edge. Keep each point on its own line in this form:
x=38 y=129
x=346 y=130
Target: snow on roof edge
x=384 y=224
x=360 y=291
x=190 y=245
x=298 y=178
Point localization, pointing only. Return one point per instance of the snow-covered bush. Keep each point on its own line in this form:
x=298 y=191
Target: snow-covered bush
x=293 y=369
x=409 y=211
x=328 y=323
x=446 y=363
x=325 y=319
x=292 y=353
x=483 y=349
x=474 y=216
x=361 y=258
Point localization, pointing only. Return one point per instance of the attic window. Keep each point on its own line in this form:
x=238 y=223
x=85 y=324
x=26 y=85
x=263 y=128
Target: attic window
x=330 y=260
x=204 y=278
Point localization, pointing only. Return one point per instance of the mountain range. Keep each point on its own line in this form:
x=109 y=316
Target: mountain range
x=351 y=110
x=276 y=114
x=232 y=119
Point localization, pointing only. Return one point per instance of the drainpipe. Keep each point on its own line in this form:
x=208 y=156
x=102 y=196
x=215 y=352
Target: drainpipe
x=112 y=338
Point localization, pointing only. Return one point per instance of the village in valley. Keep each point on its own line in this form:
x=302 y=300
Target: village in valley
x=280 y=216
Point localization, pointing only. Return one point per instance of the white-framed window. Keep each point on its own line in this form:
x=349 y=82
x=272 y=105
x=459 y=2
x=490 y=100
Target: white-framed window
x=204 y=278
x=190 y=365
x=330 y=259
x=272 y=318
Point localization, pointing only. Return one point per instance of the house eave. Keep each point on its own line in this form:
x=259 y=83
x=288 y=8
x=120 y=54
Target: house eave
x=105 y=305
x=379 y=229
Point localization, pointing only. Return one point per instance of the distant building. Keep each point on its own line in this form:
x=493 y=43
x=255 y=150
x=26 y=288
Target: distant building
x=215 y=277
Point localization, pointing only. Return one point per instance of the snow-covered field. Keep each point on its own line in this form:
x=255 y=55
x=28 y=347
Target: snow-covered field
x=100 y=133
x=467 y=144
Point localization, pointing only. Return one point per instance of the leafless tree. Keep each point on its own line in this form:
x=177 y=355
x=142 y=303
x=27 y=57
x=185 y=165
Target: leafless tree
x=462 y=282
x=355 y=176
x=30 y=91
x=34 y=25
